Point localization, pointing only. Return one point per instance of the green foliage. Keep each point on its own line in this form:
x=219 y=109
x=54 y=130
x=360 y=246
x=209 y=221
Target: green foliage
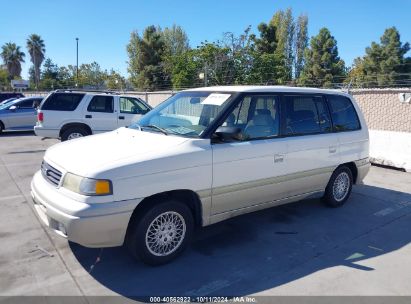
x=217 y=63
x=185 y=69
x=267 y=42
x=241 y=54
x=4 y=79
x=384 y=63
x=284 y=22
x=50 y=76
x=267 y=63
x=12 y=57
x=300 y=44
x=115 y=81
x=36 y=48
x=146 y=65
x=267 y=69
x=175 y=40
x=323 y=67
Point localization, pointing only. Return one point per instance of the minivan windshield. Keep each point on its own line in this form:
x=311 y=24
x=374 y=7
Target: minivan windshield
x=185 y=114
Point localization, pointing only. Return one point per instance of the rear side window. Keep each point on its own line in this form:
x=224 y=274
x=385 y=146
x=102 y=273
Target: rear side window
x=62 y=102
x=26 y=104
x=306 y=115
x=343 y=113
x=102 y=104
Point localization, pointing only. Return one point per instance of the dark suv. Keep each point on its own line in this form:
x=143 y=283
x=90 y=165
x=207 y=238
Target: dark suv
x=7 y=95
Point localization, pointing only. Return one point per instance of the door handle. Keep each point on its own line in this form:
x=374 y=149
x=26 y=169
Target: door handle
x=278 y=158
x=89 y=116
x=332 y=149
x=121 y=117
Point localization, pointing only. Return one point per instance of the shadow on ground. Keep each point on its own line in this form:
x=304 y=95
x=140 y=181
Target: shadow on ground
x=262 y=250
x=16 y=133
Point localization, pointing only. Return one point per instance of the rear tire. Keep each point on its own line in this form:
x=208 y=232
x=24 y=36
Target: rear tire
x=1 y=127
x=339 y=187
x=74 y=132
x=161 y=233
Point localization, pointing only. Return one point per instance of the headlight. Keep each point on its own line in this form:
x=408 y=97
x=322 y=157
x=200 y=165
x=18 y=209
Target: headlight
x=87 y=186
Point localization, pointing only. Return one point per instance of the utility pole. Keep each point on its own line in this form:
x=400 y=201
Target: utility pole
x=77 y=64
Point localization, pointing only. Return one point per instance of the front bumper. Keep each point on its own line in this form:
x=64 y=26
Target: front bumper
x=91 y=225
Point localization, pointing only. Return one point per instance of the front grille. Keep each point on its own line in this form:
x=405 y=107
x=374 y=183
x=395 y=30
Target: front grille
x=51 y=174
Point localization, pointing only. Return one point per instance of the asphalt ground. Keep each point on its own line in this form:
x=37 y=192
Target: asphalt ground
x=299 y=249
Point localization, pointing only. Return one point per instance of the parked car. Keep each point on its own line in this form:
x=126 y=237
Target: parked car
x=68 y=114
x=7 y=101
x=202 y=156
x=19 y=114
x=7 y=95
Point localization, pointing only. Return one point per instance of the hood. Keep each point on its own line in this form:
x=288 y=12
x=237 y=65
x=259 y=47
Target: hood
x=92 y=154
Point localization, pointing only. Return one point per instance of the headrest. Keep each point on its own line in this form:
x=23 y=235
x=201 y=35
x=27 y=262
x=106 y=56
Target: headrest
x=303 y=115
x=262 y=120
x=263 y=111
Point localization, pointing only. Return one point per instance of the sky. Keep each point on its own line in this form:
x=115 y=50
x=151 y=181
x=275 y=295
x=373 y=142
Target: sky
x=104 y=27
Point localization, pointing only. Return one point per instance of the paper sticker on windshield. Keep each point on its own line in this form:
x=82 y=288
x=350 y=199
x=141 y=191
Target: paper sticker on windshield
x=216 y=99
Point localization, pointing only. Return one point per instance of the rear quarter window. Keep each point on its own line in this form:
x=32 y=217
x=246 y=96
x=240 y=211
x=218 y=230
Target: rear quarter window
x=343 y=113
x=62 y=102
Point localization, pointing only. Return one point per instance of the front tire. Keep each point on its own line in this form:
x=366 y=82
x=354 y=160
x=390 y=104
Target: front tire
x=161 y=233
x=72 y=133
x=339 y=187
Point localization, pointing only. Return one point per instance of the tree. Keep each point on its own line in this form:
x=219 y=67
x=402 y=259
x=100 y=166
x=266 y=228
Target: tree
x=115 y=81
x=175 y=40
x=50 y=75
x=267 y=42
x=145 y=60
x=66 y=77
x=12 y=57
x=285 y=26
x=300 y=44
x=4 y=79
x=323 y=67
x=185 y=70
x=175 y=44
x=90 y=75
x=36 y=49
x=384 y=63
x=241 y=53
x=267 y=66
x=216 y=62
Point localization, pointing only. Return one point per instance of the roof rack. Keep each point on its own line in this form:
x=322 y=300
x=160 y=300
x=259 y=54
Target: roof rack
x=88 y=90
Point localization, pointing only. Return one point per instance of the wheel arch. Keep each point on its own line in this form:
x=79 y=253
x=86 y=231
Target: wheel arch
x=354 y=170
x=185 y=196
x=69 y=125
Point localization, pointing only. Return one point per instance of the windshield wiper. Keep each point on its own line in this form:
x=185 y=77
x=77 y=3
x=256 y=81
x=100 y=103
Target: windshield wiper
x=156 y=128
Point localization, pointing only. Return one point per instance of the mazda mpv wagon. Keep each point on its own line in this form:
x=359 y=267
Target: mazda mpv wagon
x=202 y=156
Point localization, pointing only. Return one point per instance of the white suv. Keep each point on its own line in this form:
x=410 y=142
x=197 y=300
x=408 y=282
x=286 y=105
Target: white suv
x=202 y=156
x=69 y=114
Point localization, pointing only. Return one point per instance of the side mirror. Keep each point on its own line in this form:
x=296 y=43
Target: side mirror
x=13 y=108
x=227 y=133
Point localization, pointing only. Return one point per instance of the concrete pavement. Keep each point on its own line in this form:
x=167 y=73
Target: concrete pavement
x=305 y=248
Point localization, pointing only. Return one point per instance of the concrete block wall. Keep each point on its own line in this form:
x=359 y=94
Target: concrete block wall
x=383 y=109
x=389 y=123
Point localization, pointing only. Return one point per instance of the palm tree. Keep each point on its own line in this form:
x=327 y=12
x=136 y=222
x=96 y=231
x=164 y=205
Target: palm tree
x=12 y=57
x=36 y=48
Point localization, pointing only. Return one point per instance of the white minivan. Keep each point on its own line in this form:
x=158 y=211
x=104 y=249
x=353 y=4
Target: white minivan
x=202 y=156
